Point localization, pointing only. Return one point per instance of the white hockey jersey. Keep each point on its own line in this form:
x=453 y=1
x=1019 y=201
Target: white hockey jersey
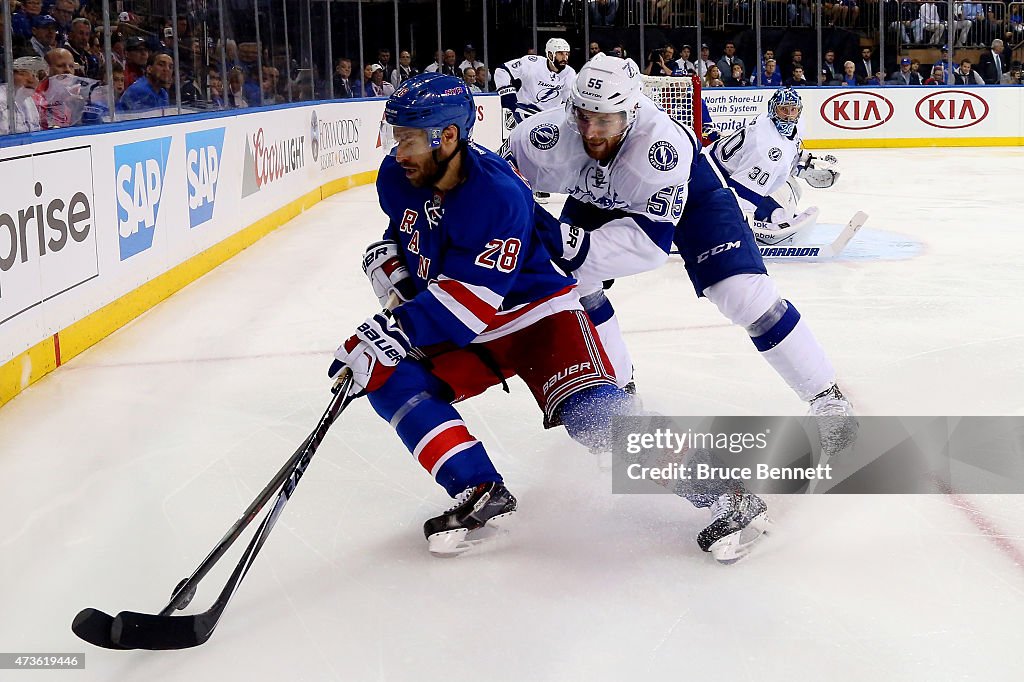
x=541 y=88
x=756 y=160
x=628 y=205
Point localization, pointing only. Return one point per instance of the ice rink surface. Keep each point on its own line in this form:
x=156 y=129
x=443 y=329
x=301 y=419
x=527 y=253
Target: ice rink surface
x=123 y=468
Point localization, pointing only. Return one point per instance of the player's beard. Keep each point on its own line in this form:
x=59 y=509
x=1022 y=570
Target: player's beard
x=559 y=65
x=423 y=174
x=602 y=149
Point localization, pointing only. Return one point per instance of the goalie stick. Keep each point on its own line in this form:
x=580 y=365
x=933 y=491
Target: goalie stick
x=810 y=251
x=133 y=630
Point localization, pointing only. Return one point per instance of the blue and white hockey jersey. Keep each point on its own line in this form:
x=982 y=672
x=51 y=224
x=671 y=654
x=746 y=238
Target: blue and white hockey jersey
x=479 y=268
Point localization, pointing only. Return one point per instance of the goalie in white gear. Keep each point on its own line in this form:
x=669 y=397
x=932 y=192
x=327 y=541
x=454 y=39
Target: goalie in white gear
x=761 y=162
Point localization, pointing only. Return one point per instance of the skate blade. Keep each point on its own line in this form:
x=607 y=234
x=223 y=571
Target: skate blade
x=452 y=543
x=732 y=548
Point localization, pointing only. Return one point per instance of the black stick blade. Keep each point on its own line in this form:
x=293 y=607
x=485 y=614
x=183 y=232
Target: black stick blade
x=132 y=630
x=95 y=627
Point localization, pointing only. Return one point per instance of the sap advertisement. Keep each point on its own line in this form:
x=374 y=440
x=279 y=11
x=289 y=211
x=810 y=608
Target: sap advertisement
x=85 y=220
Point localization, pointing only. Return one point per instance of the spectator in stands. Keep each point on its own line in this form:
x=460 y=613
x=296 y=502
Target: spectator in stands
x=943 y=60
x=974 y=12
x=798 y=79
x=799 y=12
x=990 y=64
x=928 y=20
x=469 y=76
x=26 y=79
x=215 y=88
x=44 y=34
x=768 y=54
x=713 y=78
x=938 y=76
x=137 y=60
x=150 y=92
x=729 y=58
x=1013 y=76
x=64 y=12
x=704 y=63
x=448 y=66
x=384 y=59
x=595 y=47
x=603 y=12
x=405 y=70
x=379 y=86
x=78 y=46
x=469 y=59
x=657 y=64
x=270 y=83
x=960 y=26
x=59 y=99
x=362 y=87
x=865 y=68
x=902 y=15
x=343 y=79
x=236 y=98
x=669 y=50
x=684 y=64
x=796 y=58
x=850 y=75
x=435 y=65
x=829 y=69
x=21 y=20
x=117 y=74
x=117 y=51
x=617 y=51
x=771 y=78
x=483 y=79
x=965 y=75
x=845 y=12
x=736 y=79
x=905 y=75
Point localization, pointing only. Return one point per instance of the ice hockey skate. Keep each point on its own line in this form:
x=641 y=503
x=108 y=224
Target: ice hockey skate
x=739 y=520
x=471 y=522
x=837 y=427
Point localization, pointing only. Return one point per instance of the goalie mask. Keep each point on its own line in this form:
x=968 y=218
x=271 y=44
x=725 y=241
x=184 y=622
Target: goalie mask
x=557 y=51
x=784 y=108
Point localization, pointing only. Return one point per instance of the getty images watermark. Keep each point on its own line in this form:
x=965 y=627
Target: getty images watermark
x=657 y=454
x=672 y=445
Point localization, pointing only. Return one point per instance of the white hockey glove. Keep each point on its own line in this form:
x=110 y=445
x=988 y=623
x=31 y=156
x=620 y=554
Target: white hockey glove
x=818 y=171
x=371 y=354
x=387 y=272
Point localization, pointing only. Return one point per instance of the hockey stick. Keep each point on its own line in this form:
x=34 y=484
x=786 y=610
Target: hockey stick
x=808 y=251
x=133 y=630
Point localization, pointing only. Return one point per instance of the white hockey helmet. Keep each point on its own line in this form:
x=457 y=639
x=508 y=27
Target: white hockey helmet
x=606 y=85
x=556 y=45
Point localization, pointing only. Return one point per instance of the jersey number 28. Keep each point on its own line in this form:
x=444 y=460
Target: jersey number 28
x=500 y=254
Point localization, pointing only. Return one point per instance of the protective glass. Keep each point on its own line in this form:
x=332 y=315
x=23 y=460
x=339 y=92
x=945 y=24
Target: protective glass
x=408 y=141
x=592 y=125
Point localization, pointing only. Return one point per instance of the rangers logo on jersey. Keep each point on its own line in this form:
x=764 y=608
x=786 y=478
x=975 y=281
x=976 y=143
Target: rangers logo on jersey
x=432 y=209
x=663 y=156
x=544 y=136
x=774 y=153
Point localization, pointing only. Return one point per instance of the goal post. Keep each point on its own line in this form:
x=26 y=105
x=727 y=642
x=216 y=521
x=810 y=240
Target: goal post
x=679 y=96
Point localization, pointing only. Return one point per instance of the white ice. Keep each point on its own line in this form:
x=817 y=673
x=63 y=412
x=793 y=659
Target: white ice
x=123 y=468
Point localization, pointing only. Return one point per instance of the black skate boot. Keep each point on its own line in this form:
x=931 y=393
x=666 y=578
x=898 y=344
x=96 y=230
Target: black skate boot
x=739 y=520
x=463 y=526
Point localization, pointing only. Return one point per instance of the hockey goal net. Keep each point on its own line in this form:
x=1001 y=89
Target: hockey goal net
x=679 y=96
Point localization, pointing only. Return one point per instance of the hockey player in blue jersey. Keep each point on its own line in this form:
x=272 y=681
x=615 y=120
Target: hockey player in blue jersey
x=481 y=302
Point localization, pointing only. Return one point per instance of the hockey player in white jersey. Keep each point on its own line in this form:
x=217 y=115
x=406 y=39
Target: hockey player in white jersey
x=762 y=161
x=532 y=83
x=637 y=183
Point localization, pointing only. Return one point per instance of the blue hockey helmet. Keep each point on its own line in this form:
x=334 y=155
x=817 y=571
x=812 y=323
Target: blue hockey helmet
x=431 y=102
x=786 y=121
